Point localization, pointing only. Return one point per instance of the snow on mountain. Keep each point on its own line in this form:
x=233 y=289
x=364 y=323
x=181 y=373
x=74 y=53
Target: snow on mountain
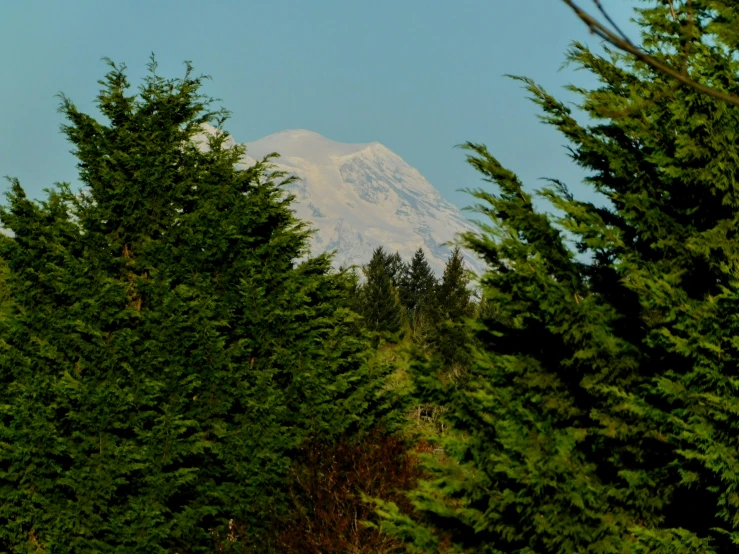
x=360 y=196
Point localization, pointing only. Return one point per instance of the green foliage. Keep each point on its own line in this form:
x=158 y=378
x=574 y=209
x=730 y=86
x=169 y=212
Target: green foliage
x=453 y=305
x=165 y=355
x=5 y=299
x=396 y=269
x=454 y=297
x=600 y=412
x=417 y=289
x=380 y=304
x=438 y=311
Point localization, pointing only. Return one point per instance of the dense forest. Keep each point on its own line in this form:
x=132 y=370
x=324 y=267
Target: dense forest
x=181 y=375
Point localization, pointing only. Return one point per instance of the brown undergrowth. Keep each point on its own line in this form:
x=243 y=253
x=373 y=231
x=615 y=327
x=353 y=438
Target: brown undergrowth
x=327 y=493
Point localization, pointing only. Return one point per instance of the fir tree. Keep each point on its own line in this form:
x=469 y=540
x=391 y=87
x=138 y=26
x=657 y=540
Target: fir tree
x=451 y=306
x=599 y=414
x=417 y=288
x=380 y=303
x=396 y=269
x=453 y=295
x=165 y=354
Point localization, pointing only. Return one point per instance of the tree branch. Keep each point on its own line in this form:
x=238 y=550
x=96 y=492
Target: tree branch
x=621 y=41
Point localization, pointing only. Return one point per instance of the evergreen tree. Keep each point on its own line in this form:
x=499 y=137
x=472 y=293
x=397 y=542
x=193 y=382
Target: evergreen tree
x=417 y=288
x=451 y=306
x=396 y=269
x=599 y=414
x=165 y=354
x=380 y=303
x=453 y=295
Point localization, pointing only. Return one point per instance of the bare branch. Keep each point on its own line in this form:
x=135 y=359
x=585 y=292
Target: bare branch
x=623 y=43
x=610 y=20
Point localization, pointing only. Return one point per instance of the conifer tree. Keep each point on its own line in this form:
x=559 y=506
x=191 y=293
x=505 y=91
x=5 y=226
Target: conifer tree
x=417 y=288
x=380 y=302
x=452 y=305
x=396 y=269
x=454 y=296
x=599 y=414
x=165 y=353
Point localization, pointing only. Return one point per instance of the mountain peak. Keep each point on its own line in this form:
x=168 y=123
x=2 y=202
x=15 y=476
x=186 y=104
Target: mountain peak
x=360 y=196
x=298 y=134
x=301 y=143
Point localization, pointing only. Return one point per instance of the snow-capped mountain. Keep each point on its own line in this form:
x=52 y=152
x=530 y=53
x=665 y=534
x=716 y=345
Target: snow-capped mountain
x=360 y=196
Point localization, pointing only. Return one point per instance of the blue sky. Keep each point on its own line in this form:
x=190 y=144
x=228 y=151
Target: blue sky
x=419 y=76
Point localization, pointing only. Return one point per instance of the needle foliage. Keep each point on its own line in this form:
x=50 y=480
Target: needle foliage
x=165 y=354
x=601 y=411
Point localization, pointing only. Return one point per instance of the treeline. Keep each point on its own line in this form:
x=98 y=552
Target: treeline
x=401 y=300
x=175 y=380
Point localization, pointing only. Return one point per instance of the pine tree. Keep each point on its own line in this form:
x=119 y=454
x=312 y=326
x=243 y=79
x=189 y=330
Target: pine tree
x=380 y=303
x=165 y=354
x=599 y=414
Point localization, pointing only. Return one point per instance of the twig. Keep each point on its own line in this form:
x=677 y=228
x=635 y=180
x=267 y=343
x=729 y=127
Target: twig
x=623 y=43
x=672 y=10
x=612 y=22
